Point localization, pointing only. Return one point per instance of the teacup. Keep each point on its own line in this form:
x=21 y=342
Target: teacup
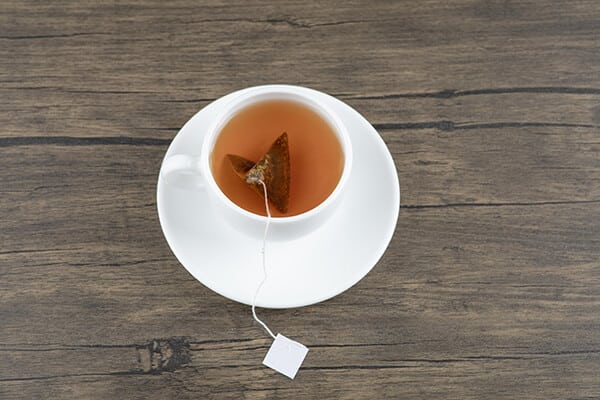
x=280 y=228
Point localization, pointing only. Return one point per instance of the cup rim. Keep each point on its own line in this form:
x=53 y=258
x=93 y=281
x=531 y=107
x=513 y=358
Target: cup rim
x=261 y=93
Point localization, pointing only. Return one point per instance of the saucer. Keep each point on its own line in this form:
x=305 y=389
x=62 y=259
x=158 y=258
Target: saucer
x=300 y=272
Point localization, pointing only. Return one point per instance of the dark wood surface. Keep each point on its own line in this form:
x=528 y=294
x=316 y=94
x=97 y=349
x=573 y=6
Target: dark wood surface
x=489 y=289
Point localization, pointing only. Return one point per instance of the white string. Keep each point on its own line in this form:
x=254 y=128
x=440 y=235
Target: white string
x=264 y=256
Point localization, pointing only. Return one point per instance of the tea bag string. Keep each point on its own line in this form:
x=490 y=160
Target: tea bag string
x=264 y=256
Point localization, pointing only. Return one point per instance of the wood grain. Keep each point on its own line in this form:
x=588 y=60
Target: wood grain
x=489 y=289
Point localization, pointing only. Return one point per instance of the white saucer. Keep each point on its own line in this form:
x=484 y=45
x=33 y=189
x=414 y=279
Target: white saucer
x=301 y=272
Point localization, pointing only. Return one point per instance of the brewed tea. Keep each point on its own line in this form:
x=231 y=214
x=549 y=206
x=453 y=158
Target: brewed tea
x=316 y=158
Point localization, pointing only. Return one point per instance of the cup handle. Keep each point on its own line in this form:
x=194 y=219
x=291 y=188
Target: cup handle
x=183 y=171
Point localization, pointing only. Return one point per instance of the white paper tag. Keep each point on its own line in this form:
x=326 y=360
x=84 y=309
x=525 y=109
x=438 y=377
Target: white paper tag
x=285 y=356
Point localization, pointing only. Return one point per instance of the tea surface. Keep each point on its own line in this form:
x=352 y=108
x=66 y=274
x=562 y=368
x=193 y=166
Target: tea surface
x=316 y=159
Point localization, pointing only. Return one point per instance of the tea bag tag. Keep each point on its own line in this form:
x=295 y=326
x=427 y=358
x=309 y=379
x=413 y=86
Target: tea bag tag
x=285 y=356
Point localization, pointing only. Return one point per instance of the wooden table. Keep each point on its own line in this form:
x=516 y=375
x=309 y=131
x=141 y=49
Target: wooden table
x=489 y=289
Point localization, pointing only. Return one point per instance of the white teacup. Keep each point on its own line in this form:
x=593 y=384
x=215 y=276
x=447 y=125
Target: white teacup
x=281 y=228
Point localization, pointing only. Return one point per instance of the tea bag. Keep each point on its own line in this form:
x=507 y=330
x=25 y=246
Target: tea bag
x=273 y=169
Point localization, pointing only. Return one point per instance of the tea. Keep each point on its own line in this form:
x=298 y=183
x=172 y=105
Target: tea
x=316 y=158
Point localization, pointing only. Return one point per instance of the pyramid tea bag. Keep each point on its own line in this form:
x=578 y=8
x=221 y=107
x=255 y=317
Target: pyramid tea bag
x=270 y=177
x=273 y=169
